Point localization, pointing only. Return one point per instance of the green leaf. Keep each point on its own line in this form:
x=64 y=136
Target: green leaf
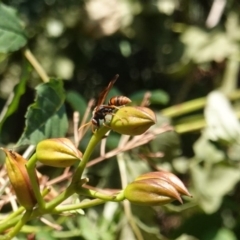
x=76 y=101
x=12 y=35
x=214 y=177
x=85 y=224
x=13 y=100
x=224 y=233
x=46 y=118
x=222 y=122
x=157 y=97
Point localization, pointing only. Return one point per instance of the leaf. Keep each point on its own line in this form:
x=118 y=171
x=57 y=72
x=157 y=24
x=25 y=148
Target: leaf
x=206 y=45
x=224 y=233
x=76 y=101
x=12 y=35
x=211 y=153
x=157 y=97
x=46 y=118
x=211 y=186
x=186 y=237
x=85 y=223
x=222 y=122
x=13 y=100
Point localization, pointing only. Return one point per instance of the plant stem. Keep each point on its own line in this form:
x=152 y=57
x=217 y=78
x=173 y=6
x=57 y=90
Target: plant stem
x=95 y=139
x=19 y=225
x=19 y=211
x=116 y=196
x=82 y=205
x=30 y=166
x=36 y=65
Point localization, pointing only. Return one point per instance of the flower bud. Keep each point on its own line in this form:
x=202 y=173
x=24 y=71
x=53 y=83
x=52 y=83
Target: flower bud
x=131 y=120
x=17 y=173
x=155 y=188
x=169 y=177
x=57 y=152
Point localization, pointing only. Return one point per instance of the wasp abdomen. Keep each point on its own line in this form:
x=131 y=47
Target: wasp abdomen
x=119 y=101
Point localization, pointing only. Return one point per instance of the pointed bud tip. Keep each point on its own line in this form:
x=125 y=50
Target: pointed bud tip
x=169 y=177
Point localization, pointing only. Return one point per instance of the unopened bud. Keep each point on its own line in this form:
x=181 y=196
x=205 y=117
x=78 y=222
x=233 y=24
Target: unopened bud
x=19 y=178
x=155 y=189
x=57 y=152
x=131 y=120
x=169 y=177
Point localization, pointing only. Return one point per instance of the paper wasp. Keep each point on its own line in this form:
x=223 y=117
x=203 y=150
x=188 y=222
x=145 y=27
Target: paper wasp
x=102 y=110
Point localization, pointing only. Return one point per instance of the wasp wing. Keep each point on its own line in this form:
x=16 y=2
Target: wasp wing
x=104 y=93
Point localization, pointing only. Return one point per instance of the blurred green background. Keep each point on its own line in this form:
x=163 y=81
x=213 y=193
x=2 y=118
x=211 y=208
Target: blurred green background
x=180 y=51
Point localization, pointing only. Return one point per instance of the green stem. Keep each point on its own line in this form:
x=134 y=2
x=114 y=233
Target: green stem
x=19 y=225
x=193 y=105
x=19 y=211
x=82 y=205
x=60 y=198
x=116 y=197
x=57 y=210
x=46 y=208
x=31 y=166
x=95 y=139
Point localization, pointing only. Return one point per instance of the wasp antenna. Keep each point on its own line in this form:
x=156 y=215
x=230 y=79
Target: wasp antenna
x=84 y=125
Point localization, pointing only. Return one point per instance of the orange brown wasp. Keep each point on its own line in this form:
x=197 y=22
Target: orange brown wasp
x=102 y=110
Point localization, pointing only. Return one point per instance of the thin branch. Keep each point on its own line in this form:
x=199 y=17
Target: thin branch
x=76 y=118
x=36 y=65
x=134 y=142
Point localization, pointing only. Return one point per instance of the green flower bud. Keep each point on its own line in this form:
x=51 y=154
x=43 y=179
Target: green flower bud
x=155 y=188
x=131 y=120
x=57 y=152
x=169 y=177
x=151 y=192
x=17 y=173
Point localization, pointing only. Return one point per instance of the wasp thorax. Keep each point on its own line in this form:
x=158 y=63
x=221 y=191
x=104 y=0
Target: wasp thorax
x=119 y=101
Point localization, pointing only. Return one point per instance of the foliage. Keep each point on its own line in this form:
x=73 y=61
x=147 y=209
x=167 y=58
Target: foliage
x=182 y=57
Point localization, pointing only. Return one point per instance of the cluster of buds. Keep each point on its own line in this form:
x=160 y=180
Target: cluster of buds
x=155 y=188
x=19 y=178
x=56 y=152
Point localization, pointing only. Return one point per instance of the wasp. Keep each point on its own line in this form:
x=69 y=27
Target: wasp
x=102 y=110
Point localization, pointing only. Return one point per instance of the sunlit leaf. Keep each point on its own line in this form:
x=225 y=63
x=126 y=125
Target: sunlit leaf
x=211 y=153
x=85 y=224
x=225 y=233
x=186 y=237
x=205 y=47
x=46 y=117
x=212 y=184
x=222 y=122
x=12 y=35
